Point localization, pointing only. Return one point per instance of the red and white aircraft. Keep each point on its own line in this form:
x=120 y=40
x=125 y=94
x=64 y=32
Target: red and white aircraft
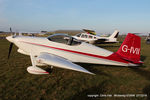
x=61 y=51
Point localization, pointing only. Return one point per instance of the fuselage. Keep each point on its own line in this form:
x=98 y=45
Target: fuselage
x=82 y=53
x=93 y=38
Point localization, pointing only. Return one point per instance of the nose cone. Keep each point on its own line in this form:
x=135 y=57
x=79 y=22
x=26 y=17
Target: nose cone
x=10 y=38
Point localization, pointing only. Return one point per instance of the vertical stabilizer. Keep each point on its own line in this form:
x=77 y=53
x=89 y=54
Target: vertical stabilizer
x=115 y=34
x=130 y=48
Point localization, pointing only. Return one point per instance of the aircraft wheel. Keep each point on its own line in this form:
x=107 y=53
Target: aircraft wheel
x=50 y=69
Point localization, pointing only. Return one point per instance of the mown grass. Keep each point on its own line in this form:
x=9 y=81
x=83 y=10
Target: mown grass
x=61 y=84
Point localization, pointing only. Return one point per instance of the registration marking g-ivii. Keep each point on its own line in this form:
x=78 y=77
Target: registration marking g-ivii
x=132 y=49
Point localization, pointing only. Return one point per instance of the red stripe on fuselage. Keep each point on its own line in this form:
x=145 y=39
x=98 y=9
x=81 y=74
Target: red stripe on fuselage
x=113 y=57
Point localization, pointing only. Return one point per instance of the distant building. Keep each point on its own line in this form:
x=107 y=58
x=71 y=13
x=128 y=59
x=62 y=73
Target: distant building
x=1 y=31
x=43 y=31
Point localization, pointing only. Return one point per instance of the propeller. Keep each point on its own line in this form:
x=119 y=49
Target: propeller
x=13 y=33
x=11 y=44
x=10 y=48
x=10 y=30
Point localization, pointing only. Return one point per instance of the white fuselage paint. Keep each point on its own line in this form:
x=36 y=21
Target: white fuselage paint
x=36 y=45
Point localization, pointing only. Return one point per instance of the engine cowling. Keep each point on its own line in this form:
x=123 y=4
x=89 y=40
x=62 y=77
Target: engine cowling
x=36 y=70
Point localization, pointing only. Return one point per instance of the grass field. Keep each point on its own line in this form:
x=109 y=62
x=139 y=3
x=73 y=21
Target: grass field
x=61 y=84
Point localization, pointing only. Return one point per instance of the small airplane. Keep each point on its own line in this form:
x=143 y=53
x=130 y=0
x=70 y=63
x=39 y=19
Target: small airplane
x=61 y=50
x=90 y=37
x=148 y=39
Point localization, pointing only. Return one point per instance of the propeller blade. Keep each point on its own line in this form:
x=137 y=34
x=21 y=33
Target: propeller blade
x=10 y=29
x=10 y=48
x=12 y=33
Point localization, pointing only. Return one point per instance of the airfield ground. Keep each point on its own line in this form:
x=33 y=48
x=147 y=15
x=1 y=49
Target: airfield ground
x=61 y=84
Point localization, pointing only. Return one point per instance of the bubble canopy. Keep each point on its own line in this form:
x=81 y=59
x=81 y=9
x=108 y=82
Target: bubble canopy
x=64 y=38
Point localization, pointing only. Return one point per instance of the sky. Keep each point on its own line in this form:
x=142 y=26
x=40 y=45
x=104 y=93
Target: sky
x=103 y=16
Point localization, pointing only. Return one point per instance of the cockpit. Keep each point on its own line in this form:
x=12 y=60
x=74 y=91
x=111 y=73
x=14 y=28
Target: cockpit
x=65 y=39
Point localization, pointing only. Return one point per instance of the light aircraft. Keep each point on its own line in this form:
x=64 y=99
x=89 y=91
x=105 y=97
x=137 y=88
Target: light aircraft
x=63 y=51
x=89 y=37
x=148 y=39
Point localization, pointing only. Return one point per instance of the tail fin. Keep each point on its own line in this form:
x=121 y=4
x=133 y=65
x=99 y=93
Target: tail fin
x=115 y=34
x=130 y=48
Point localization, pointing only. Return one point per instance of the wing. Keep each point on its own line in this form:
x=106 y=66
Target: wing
x=54 y=60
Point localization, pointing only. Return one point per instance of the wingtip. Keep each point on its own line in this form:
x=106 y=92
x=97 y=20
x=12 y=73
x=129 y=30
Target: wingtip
x=90 y=73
